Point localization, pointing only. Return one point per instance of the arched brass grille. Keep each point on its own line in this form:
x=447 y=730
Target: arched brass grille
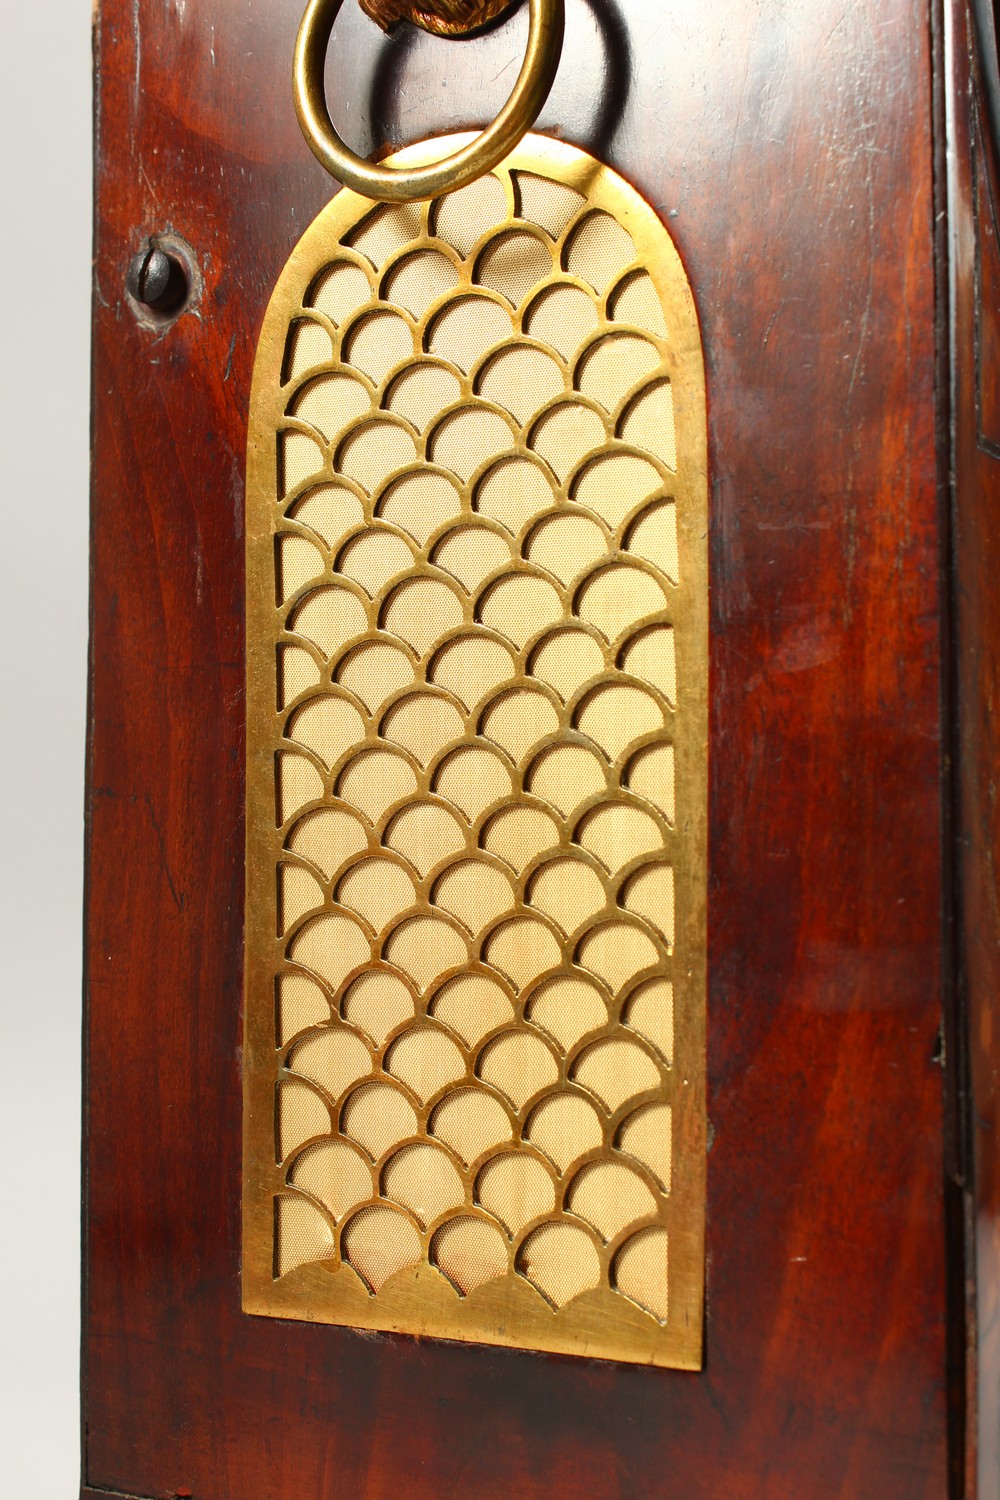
x=477 y=774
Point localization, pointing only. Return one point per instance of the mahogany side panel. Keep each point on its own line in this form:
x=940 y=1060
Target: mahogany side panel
x=975 y=292
x=788 y=148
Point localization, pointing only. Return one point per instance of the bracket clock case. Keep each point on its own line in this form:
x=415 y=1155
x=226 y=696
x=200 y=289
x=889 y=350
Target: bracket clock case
x=541 y=912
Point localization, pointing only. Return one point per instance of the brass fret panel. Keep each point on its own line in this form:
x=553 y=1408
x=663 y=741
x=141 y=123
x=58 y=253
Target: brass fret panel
x=477 y=772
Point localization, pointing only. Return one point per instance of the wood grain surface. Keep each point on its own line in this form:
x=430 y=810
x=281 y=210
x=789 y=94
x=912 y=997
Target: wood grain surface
x=788 y=147
x=975 y=307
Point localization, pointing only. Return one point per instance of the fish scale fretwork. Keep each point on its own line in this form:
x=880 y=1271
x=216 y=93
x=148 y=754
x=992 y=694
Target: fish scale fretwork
x=478 y=829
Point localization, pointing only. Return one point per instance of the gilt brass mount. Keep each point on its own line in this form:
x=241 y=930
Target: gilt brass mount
x=453 y=18
x=477 y=772
x=403 y=184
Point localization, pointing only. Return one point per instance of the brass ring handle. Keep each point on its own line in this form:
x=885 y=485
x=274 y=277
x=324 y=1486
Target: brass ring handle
x=403 y=185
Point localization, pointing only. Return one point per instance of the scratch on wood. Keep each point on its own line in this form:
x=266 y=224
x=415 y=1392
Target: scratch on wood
x=179 y=896
x=869 y=291
x=137 y=39
x=146 y=180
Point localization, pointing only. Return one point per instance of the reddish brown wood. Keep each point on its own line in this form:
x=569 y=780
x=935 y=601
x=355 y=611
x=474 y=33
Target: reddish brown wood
x=975 y=290
x=788 y=146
